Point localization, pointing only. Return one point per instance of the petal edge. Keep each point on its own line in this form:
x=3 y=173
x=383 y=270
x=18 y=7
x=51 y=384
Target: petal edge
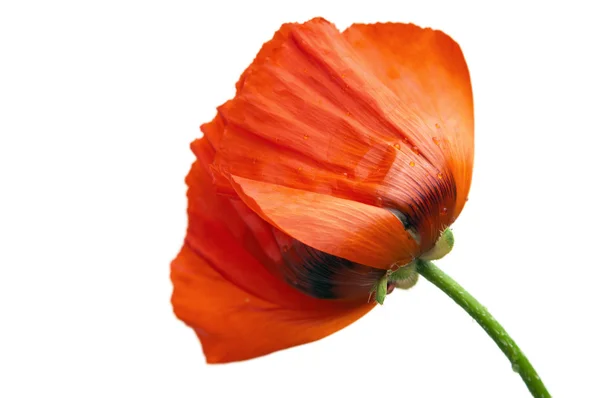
x=329 y=224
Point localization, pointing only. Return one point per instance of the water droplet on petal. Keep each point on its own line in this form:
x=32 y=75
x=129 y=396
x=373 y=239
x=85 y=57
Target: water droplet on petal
x=415 y=150
x=305 y=136
x=444 y=210
x=411 y=164
x=299 y=168
x=345 y=174
x=436 y=140
x=379 y=201
x=440 y=176
x=437 y=125
x=285 y=248
x=397 y=146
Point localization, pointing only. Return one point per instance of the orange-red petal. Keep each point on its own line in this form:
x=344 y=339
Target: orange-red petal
x=352 y=230
x=326 y=131
x=227 y=279
x=428 y=74
x=233 y=324
x=345 y=115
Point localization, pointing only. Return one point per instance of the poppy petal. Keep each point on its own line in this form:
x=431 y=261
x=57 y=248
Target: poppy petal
x=427 y=72
x=227 y=234
x=352 y=230
x=234 y=325
x=323 y=275
x=226 y=284
x=225 y=279
x=335 y=145
x=313 y=113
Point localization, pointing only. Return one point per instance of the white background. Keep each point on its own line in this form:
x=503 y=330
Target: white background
x=98 y=104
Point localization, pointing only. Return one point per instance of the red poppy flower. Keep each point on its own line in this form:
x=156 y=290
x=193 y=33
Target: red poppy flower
x=342 y=156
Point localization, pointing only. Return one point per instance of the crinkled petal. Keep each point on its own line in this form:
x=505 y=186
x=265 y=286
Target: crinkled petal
x=325 y=112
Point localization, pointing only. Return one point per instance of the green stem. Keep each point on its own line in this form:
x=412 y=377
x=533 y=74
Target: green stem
x=478 y=312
